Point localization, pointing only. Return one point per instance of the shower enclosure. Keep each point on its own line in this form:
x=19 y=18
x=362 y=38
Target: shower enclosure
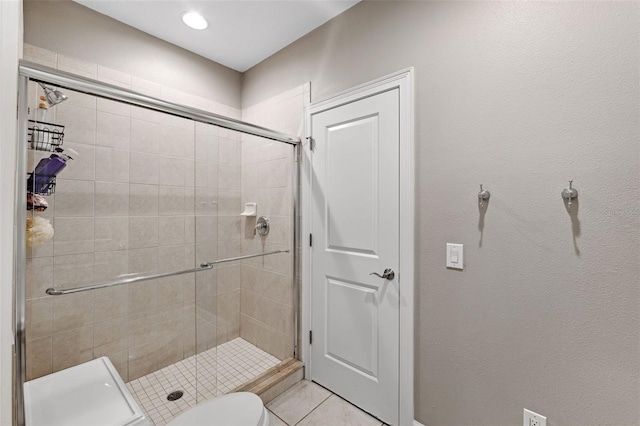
x=152 y=263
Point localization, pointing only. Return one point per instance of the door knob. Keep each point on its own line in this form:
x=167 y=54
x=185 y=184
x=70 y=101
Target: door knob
x=387 y=274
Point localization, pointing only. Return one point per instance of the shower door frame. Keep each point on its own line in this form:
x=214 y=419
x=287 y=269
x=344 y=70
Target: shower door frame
x=29 y=71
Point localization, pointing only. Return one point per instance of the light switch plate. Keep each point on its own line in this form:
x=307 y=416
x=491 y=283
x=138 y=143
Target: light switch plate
x=455 y=256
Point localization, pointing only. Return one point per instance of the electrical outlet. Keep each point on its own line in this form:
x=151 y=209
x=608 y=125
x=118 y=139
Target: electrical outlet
x=533 y=419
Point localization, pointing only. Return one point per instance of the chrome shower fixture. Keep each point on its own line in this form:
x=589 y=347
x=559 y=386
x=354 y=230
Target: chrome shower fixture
x=53 y=95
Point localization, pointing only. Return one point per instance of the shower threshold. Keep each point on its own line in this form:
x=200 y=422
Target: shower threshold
x=211 y=373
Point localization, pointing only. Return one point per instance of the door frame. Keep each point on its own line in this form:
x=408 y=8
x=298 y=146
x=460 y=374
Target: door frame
x=403 y=81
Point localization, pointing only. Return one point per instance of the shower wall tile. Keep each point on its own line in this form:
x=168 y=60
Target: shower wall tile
x=113 y=130
x=39 y=276
x=39 y=357
x=206 y=174
x=229 y=278
x=83 y=166
x=80 y=123
x=120 y=361
x=142 y=360
x=73 y=235
x=72 y=347
x=147 y=115
x=40 y=56
x=141 y=328
x=77 y=66
x=110 y=265
x=146 y=87
x=172 y=258
x=74 y=198
x=115 y=77
x=228 y=227
x=171 y=230
x=229 y=203
x=111 y=199
x=39 y=317
x=143 y=200
x=145 y=136
x=110 y=336
x=276 y=201
x=112 y=302
x=173 y=170
x=111 y=233
x=78 y=99
x=113 y=107
x=177 y=141
x=111 y=165
x=172 y=200
x=143 y=231
x=189 y=170
x=73 y=270
x=207 y=229
x=144 y=168
x=143 y=260
x=143 y=297
x=171 y=290
x=189 y=229
x=206 y=146
x=72 y=311
x=229 y=177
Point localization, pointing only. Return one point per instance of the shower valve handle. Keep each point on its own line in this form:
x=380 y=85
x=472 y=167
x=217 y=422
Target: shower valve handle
x=387 y=274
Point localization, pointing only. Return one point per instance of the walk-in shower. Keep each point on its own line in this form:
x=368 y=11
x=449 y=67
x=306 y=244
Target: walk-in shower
x=152 y=263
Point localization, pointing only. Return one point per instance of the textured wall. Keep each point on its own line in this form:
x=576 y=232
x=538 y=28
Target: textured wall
x=74 y=30
x=521 y=97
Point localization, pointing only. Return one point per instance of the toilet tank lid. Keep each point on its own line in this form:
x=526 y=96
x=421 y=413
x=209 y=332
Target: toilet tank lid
x=90 y=393
x=235 y=409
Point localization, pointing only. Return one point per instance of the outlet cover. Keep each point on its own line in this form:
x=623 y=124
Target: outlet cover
x=533 y=419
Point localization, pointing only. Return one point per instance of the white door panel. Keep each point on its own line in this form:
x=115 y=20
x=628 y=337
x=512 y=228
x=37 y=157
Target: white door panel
x=355 y=225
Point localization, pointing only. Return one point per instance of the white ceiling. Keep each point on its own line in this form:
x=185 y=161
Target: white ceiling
x=241 y=33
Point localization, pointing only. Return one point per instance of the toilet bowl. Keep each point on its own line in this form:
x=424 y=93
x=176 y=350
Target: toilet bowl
x=94 y=394
x=235 y=409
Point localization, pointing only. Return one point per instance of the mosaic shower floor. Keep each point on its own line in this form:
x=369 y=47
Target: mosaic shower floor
x=219 y=370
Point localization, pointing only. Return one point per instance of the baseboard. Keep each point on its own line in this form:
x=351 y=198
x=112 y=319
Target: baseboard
x=417 y=423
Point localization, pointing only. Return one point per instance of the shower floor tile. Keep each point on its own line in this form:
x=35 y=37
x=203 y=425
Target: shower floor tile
x=219 y=370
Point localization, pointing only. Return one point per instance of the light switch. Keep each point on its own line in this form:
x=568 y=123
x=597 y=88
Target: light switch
x=455 y=256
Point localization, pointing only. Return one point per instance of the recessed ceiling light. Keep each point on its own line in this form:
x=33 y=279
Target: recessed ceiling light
x=194 y=20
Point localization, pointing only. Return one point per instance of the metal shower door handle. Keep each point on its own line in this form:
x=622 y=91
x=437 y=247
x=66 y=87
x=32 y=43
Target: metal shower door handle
x=387 y=274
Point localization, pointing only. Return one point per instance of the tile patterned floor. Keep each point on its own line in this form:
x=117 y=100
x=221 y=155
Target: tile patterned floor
x=201 y=377
x=307 y=404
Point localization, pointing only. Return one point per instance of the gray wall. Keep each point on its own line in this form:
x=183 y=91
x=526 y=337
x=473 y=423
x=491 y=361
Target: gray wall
x=74 y=30
x=521 y=97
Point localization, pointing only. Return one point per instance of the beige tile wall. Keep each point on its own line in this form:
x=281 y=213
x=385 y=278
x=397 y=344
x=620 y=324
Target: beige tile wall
x=266 y=305
x=149 y=193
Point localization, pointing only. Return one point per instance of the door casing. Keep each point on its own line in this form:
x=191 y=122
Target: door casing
x=403 y=81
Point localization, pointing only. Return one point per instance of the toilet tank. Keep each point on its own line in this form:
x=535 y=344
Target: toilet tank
x=88 y=394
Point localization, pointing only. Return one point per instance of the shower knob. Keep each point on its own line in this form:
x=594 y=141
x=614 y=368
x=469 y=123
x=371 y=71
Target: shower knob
x=262 y=226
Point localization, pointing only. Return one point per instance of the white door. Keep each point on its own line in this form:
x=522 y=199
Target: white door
x=355 y=229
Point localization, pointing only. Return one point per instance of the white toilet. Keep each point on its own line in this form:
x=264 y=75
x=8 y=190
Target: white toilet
x=234 y=409
x=94 y=394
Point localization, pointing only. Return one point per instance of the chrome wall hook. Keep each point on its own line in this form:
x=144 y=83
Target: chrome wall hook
x=569 y=194
x=483 y=195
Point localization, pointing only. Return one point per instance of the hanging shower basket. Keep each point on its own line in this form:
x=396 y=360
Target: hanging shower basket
x=41 y=184
x=45 y=136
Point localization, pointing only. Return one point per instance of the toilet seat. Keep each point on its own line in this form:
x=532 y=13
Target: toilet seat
x=235 y=409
